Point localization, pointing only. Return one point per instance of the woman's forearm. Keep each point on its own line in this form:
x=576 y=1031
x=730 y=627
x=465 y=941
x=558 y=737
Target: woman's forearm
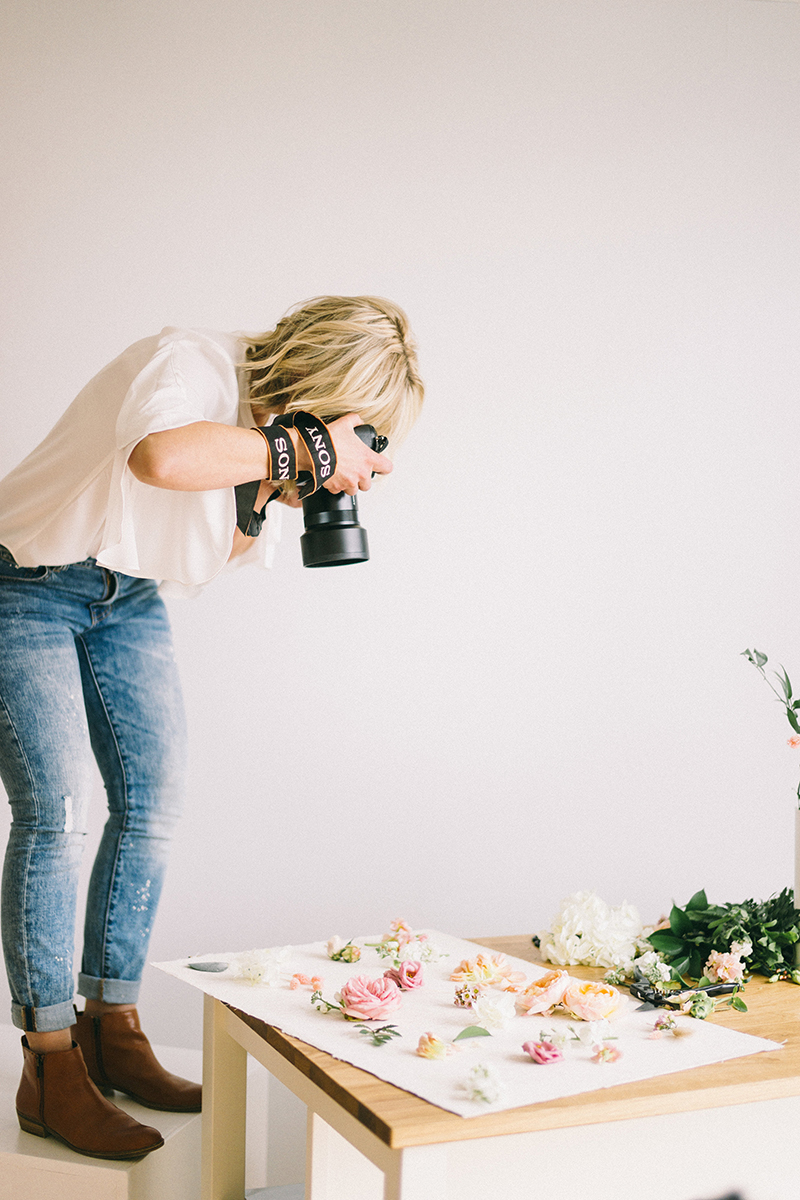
x=200 y=457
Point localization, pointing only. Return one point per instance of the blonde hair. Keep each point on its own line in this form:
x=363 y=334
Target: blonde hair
x=335 y=355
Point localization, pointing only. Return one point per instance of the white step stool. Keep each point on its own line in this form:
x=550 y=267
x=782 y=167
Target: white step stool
x=34 y=1168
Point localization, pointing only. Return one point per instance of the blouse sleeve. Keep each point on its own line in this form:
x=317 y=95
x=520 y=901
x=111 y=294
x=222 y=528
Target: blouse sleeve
x=157 y=533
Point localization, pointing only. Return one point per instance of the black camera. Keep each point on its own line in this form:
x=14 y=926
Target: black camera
x=333 y=536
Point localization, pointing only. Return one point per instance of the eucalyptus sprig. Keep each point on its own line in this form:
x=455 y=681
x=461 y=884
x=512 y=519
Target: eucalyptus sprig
x=785 y=696
x=379 y=1037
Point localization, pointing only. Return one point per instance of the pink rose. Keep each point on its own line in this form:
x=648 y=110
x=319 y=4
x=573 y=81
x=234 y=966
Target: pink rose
x=407 y=976
x=369 y=999
x=591 y=1001
x=543 y=994
x=543 y=1052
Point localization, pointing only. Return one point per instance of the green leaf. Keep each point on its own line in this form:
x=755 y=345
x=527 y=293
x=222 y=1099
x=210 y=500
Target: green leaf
x=792 y=720
x=679 y=923
x=698 y=900
x=470 y=1032
x=681 y=966
x=738 y=1004
x=666 y=942
x=783 y=680
x=696 y=961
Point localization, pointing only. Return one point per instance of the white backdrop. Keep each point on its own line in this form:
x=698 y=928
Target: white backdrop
x=589 y=211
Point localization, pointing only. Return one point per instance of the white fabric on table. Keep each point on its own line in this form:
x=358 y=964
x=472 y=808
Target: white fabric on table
x=431 y=1009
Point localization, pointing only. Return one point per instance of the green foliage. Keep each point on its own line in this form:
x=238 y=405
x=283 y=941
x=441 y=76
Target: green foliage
x=470 y=1032
x=772 y=927
x=784 y=697
x=379 y=1037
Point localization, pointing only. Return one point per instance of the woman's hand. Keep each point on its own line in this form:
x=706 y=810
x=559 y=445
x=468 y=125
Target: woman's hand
x=355 y=462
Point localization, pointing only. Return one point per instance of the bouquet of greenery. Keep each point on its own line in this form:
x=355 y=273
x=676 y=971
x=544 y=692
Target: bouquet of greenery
x=762 y=933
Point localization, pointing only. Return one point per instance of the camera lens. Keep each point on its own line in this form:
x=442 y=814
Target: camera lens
x=333 y=536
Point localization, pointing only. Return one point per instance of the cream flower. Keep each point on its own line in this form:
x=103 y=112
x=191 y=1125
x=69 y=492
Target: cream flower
x=494 y=1010
x=432 y=1047
x=587 y=931
x=483 y=1085
x=262 y=966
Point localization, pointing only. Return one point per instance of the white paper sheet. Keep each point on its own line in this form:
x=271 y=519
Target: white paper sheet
x=430 y=1008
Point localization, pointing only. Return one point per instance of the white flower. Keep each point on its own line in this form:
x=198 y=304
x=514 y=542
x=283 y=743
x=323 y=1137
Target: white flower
x=587 y=931
x=494 y=1010
x=262 y=966
x=334 y=945
x=419 y=950
x=743 y=949
x=483 y=1085
x=591 y=1033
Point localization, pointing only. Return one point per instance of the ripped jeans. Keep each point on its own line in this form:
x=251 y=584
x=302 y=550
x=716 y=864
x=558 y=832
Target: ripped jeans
x=87 y=673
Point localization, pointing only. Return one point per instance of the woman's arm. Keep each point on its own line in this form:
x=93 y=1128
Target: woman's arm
x=207 y=455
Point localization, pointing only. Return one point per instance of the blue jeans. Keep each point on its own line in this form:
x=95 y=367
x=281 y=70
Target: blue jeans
x=87 y=671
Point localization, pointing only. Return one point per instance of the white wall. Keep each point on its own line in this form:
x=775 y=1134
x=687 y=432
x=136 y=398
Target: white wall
x=589 y=211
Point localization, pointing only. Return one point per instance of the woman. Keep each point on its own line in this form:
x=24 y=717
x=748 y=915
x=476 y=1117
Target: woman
x=142 y=480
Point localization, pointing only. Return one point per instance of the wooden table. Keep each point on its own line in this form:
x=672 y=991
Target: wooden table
x=409 y=1139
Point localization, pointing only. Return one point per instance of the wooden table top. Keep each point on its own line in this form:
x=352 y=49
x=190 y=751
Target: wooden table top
x=401 y=1119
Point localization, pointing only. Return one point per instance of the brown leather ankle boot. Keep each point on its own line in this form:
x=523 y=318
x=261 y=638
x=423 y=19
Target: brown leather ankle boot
x=118 y=1055
x=57 y=1097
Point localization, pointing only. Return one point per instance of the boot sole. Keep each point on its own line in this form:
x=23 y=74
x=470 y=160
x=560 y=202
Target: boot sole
x=108 y=1090
x=39 y=1130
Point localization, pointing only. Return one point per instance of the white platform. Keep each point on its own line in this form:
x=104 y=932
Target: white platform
x=33 y=1168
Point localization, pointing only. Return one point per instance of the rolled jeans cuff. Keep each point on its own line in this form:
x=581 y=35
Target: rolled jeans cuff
x=43 y=1020
x=111 y=991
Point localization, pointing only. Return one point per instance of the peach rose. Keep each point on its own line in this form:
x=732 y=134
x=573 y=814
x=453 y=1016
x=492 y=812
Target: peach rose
x=543 y=994
x=407 y=976
x=369 y=999
x=486 y=970
x=591 y=1001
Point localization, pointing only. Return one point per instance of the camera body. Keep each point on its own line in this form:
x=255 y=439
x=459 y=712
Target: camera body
x=333 y=536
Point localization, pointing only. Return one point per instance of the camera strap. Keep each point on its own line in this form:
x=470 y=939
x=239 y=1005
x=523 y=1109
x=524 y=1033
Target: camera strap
x=247 y=519
x=317 y=440
x=282 y=464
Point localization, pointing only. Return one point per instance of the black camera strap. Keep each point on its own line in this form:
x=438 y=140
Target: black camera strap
x=247 y=519
x=282 y=464
x=317 y=440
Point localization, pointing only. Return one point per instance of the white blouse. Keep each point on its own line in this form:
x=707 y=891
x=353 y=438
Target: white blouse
x=75 y=497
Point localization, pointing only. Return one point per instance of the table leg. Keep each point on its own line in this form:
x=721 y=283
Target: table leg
x=417 y=1173
x=224 y=1108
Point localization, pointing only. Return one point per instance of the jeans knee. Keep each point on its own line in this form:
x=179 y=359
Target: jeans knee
x=56 y=814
